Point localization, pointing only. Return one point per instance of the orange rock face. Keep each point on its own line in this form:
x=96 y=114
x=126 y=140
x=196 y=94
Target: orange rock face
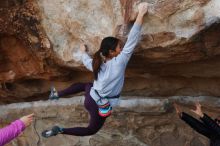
x=177 y=54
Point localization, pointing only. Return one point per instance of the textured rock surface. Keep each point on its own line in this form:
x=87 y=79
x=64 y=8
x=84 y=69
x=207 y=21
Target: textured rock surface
x=135 y=122
x=177 y=55
x=174 y=31
x=67 y=22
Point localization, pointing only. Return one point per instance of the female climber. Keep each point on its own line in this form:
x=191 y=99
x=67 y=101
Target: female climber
x=108 y=66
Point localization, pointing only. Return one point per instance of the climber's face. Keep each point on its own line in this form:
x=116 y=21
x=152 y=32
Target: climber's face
x=116 y=51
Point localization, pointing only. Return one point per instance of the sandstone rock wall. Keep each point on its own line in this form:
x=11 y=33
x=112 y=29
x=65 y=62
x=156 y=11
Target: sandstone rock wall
x=177 y=55
x=135 y=122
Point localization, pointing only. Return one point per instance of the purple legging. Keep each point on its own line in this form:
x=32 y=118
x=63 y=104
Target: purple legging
x=96 y=122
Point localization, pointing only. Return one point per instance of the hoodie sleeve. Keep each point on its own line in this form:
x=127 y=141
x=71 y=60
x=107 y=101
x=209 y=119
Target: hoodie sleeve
x=197 y=125
x=11 y=131
x=87 y=61
x=211 y=124
x=127 y=51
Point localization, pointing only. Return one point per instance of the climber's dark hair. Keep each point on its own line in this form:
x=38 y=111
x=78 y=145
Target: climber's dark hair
x=107 y=44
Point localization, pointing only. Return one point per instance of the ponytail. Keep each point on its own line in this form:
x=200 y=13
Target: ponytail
x=96 y=64
x=108 y=43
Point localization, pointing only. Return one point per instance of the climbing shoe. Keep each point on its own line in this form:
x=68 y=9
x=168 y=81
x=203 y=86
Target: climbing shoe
x=53 y=94
x=53 y=132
